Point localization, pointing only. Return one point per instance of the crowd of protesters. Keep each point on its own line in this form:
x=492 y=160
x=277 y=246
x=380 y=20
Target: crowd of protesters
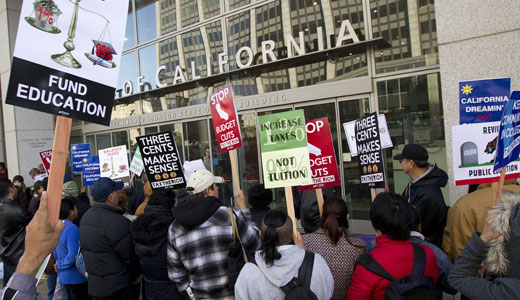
x=186 y=244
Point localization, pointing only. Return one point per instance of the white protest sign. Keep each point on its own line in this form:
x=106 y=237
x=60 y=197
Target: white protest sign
x=350 y=132
x=114 y=164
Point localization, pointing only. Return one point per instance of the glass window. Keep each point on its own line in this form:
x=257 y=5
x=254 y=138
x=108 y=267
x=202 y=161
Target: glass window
x=357 y=195
x=134 y=133
x=410 y=29
x=233 y=4
x=103 y=141
x=167 y=20
x=413 y=110
x=211 y=8
x=176 y=129
x=249 y=167
x=91 y=139
x=120 y=138
x=189 y=12
x=129 y=32
x=150 y=130
x=127 y=72
x=146 y=17
x=196 y=142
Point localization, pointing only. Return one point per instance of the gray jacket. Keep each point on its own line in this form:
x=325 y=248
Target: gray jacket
x=263 y=282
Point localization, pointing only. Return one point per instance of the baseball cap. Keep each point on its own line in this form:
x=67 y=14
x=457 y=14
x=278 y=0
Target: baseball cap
x=70 y=188
x=200 y=180
x=103 y=187
x=414 y=152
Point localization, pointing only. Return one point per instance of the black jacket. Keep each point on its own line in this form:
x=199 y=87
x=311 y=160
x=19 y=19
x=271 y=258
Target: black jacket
x=426 y=195
x=13 y=219
x=149 y=232
x=107 y=249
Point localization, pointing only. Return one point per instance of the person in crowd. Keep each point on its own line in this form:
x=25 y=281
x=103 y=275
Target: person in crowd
x=202 y=262
x=65 y=253
x=391 y=216
x=468 y=215
x=424 y=190
x=279 y=261
x=498 y=248
x=259 y=198
x=306 y=208
x=333 y=241
x=150 y=235
x=19 y=182
x=35 y=202
x=20 y=197
x=13 y=220
x=41 y=239
x=107 y=248
x=41 y=167
x=37 y=175
x=147 y=191
x=443 y=261
x=81 y=200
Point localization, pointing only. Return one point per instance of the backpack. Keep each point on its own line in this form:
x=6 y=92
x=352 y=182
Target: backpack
x=299 y=288
x=416 y=286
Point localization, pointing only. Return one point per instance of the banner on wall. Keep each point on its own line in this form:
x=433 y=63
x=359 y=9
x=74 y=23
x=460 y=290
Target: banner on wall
x=67 y=57
x=77 y=153
x=350 y=132
x=225 y=121
x=285 y=153
x=474 y=147
x=368 y=145
x=114 y=164
x=483 y=100
x=161 y=159
x=324 y=169
x=91 y=170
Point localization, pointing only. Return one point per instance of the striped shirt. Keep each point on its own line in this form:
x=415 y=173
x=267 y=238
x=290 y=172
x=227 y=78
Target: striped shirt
x=197 y=256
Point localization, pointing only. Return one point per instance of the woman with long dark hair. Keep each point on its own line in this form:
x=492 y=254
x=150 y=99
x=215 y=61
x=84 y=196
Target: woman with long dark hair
x=278 y=262
x=333 y=241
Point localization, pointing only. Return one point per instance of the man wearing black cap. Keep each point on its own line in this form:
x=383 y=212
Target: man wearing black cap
x=424 y=190
x=106 y=246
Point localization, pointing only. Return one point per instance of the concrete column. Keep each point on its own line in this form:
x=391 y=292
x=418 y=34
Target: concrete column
x=24 y=133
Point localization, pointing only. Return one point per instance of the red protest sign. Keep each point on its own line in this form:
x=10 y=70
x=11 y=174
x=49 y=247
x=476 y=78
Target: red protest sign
x=322 y=157
x=46 y=156
x=225 y=121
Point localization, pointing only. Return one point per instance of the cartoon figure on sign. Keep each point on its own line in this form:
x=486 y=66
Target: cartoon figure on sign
x=106 y=168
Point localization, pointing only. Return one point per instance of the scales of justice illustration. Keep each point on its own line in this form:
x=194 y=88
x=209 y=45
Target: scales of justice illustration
x=108 y=166
x=45 y=18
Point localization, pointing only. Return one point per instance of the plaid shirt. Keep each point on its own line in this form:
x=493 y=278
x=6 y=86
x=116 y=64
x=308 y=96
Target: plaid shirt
x=197 y=256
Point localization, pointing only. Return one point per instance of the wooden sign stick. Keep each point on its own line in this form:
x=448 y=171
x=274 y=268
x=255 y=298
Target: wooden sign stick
x=290 y=207
x=132 y=178
x=319 y=197
x=234 y=170
x=58 y=162
x=497 y=186
x=373 y=193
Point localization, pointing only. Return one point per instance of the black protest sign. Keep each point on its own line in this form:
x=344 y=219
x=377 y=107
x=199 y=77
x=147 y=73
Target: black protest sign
x=369 y=148
x=161 y=160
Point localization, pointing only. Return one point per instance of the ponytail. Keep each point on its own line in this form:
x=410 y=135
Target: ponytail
x=270 y=241
x=276 y=231
x=334 y=218
x=330 y=223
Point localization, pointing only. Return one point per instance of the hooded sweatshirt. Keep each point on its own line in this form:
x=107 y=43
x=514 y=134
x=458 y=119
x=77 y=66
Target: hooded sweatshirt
x=425 y=193
x=198 y=245
x=257 y=282
x=501 y=256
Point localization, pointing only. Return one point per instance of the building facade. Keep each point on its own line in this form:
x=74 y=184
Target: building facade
x=340 y=59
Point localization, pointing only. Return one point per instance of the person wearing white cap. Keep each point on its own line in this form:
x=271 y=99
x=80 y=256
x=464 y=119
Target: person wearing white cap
x=200 y=237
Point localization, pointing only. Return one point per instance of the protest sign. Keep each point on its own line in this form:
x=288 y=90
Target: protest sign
x=46 y=157
x=369 y=148
x=324 y=169
x=509 y=134
x=225 y=121
x=161 y=160
x=474 y=148
x=483 y=100
x=114 y=164
x=91 y=170
x=285 y=155
x=350 y=132
x=137 y=165
x=77 y=153
x=68 y=68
